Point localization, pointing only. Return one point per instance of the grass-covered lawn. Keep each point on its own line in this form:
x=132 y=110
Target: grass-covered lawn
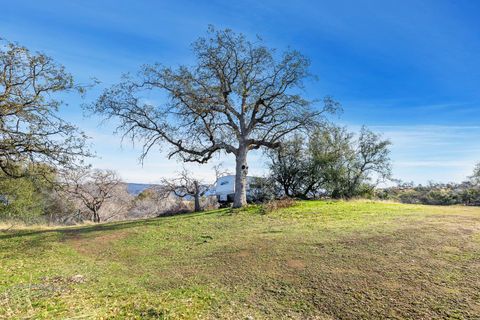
x=317 y=260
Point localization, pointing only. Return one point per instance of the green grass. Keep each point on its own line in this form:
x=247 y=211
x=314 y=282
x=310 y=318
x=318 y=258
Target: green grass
x=316 y=260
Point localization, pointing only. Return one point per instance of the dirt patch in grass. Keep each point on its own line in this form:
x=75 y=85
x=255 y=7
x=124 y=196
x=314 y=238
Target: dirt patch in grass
x=93 y=244
x=243 y=253
x=296 y=264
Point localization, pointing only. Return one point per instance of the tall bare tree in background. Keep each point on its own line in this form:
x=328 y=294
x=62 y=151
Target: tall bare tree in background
x=30 y=128
x=185 y=185
x=91 y=187
x=238 y=96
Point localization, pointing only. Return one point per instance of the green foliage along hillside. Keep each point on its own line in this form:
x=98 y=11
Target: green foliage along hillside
x=19 y=198
x=25 y=197
x=315 y=260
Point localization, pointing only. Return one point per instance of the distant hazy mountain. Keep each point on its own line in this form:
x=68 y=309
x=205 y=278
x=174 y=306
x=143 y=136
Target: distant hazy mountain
x=136 y=188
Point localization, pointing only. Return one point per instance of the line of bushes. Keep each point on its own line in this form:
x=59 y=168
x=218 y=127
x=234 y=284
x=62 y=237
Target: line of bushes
x=465 y=193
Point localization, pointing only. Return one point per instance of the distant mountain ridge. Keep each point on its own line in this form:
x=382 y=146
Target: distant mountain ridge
x=137 y=188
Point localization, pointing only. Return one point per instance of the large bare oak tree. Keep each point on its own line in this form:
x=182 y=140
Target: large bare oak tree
x=238 y=96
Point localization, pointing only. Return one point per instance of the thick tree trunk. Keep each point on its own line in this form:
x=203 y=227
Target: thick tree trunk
x=197 y=203
x=241 y=171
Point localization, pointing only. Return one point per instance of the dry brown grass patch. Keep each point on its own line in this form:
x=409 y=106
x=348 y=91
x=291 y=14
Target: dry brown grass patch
x=274 y=205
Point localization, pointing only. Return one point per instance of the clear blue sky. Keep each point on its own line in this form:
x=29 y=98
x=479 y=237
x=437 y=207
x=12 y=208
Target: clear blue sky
x=409 y=69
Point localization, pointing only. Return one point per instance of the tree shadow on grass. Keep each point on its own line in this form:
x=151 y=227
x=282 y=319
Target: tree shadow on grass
x=109 y=226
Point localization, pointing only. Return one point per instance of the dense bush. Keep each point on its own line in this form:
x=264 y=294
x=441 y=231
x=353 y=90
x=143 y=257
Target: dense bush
x=27 y=197
x=19 y=199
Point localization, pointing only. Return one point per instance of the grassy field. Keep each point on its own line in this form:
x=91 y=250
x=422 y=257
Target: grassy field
x=316 y=260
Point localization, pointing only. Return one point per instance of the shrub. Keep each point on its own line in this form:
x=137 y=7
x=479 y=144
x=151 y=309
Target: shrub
x=274 y=205
x=433 y=194
x=19 y=199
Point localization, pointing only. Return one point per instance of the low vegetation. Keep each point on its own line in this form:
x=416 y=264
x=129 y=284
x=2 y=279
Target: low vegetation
x=465 y=193
x=304 y=260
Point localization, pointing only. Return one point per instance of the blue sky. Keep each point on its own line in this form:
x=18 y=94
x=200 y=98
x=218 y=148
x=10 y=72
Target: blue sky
x=409 y=69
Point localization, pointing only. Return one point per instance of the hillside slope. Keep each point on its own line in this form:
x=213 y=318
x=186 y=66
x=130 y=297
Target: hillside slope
x=318 y=260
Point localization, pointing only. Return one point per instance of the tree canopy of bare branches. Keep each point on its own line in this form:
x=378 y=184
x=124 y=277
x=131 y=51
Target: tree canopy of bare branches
x=238 y=96
x=30 y=128
x=185 y=185
x=91 y=187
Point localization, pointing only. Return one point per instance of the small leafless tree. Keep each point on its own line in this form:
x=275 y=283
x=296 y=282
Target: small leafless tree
x=30 y=128
x=220 y=171
x=185 y=185
x=239 y=96
x=91 y=187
